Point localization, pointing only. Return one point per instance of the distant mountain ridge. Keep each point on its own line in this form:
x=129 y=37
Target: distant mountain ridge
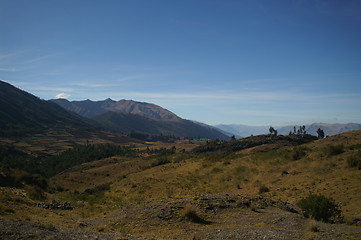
x=22 y=113
x=128 y=116
x=92 y=109
x=329 y=129
x=240 y=130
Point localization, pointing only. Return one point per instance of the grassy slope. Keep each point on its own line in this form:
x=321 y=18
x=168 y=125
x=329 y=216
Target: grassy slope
x=242 y=173
x=134 y=184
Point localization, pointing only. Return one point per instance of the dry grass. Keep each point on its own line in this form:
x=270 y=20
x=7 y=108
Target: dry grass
x=312 y=230
x=190 y=213
x=134 y=180
x=245 y=173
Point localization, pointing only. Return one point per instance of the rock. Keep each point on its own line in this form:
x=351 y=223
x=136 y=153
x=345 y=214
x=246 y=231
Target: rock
x=55 y=204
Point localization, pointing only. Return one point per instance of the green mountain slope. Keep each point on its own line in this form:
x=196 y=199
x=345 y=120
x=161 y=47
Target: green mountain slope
x=127 y=116
x=22 y=112
x=127 y=123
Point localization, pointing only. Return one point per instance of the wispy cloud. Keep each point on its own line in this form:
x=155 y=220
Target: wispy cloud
x=249 y=96
x=40 y=58
x=48 y=89
x=93 y=85
x=58 y=89
x=135 y=77
x=111 y=83
x=62 y=95
x=6 y=56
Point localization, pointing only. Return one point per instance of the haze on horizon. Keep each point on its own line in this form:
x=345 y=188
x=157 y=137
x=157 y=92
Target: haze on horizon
x=245 y=62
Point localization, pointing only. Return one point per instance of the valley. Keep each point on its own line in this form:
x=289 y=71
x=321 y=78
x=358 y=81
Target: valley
x=65 y=176
x=180 y=120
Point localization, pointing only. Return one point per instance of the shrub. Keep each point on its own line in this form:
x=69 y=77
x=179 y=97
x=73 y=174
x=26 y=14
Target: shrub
x=17 y=178
x=312 y=226
x=9 y=181
x=92 y=195
x=254 y=206
x=332 y=150
x=320 y=208
x=354 y=160
x=263 y=189
x=190 y=213
x=216 y=170
x=161 y=161
x=298 y=153
x=34 y=180
x=34 y=192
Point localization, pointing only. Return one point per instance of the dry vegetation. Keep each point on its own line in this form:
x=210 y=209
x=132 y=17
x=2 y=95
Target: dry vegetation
x=247 y=194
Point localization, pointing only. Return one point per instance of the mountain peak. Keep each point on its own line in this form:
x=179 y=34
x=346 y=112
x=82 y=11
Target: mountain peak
x=91 y=109
x=109 y=100
x=128 y=115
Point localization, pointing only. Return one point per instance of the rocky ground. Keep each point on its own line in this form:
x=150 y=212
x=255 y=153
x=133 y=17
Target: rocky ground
x=11 y=229
x=204 y=217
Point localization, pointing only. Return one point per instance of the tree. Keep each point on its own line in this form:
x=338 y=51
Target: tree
x=273 y=131
x=320 y=133
x=301 y=130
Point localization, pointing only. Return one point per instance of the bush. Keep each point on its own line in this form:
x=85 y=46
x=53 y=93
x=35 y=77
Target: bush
x=354 y=160
x=9 y=181
x=34 y=193
x=263 y=189
x=190 y=213
x=34 y=180
x=332 y=150
x=298 y=153
x=161 y=161
x=16 y=178
x=320 y=208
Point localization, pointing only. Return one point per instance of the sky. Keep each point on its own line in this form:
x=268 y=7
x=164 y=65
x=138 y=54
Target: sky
x=253 y=62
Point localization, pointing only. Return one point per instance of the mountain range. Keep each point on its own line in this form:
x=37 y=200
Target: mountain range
x=128 y=116
x=23 y=113
x=92 y=109
x=240 y=130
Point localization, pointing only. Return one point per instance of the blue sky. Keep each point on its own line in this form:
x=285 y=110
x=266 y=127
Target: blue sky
x=216 y=61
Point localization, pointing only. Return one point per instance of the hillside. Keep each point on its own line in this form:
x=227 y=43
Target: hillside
x=128 y=123
x=22 y=112
x=246 y=193
x=41 y=127
x=128 y=116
